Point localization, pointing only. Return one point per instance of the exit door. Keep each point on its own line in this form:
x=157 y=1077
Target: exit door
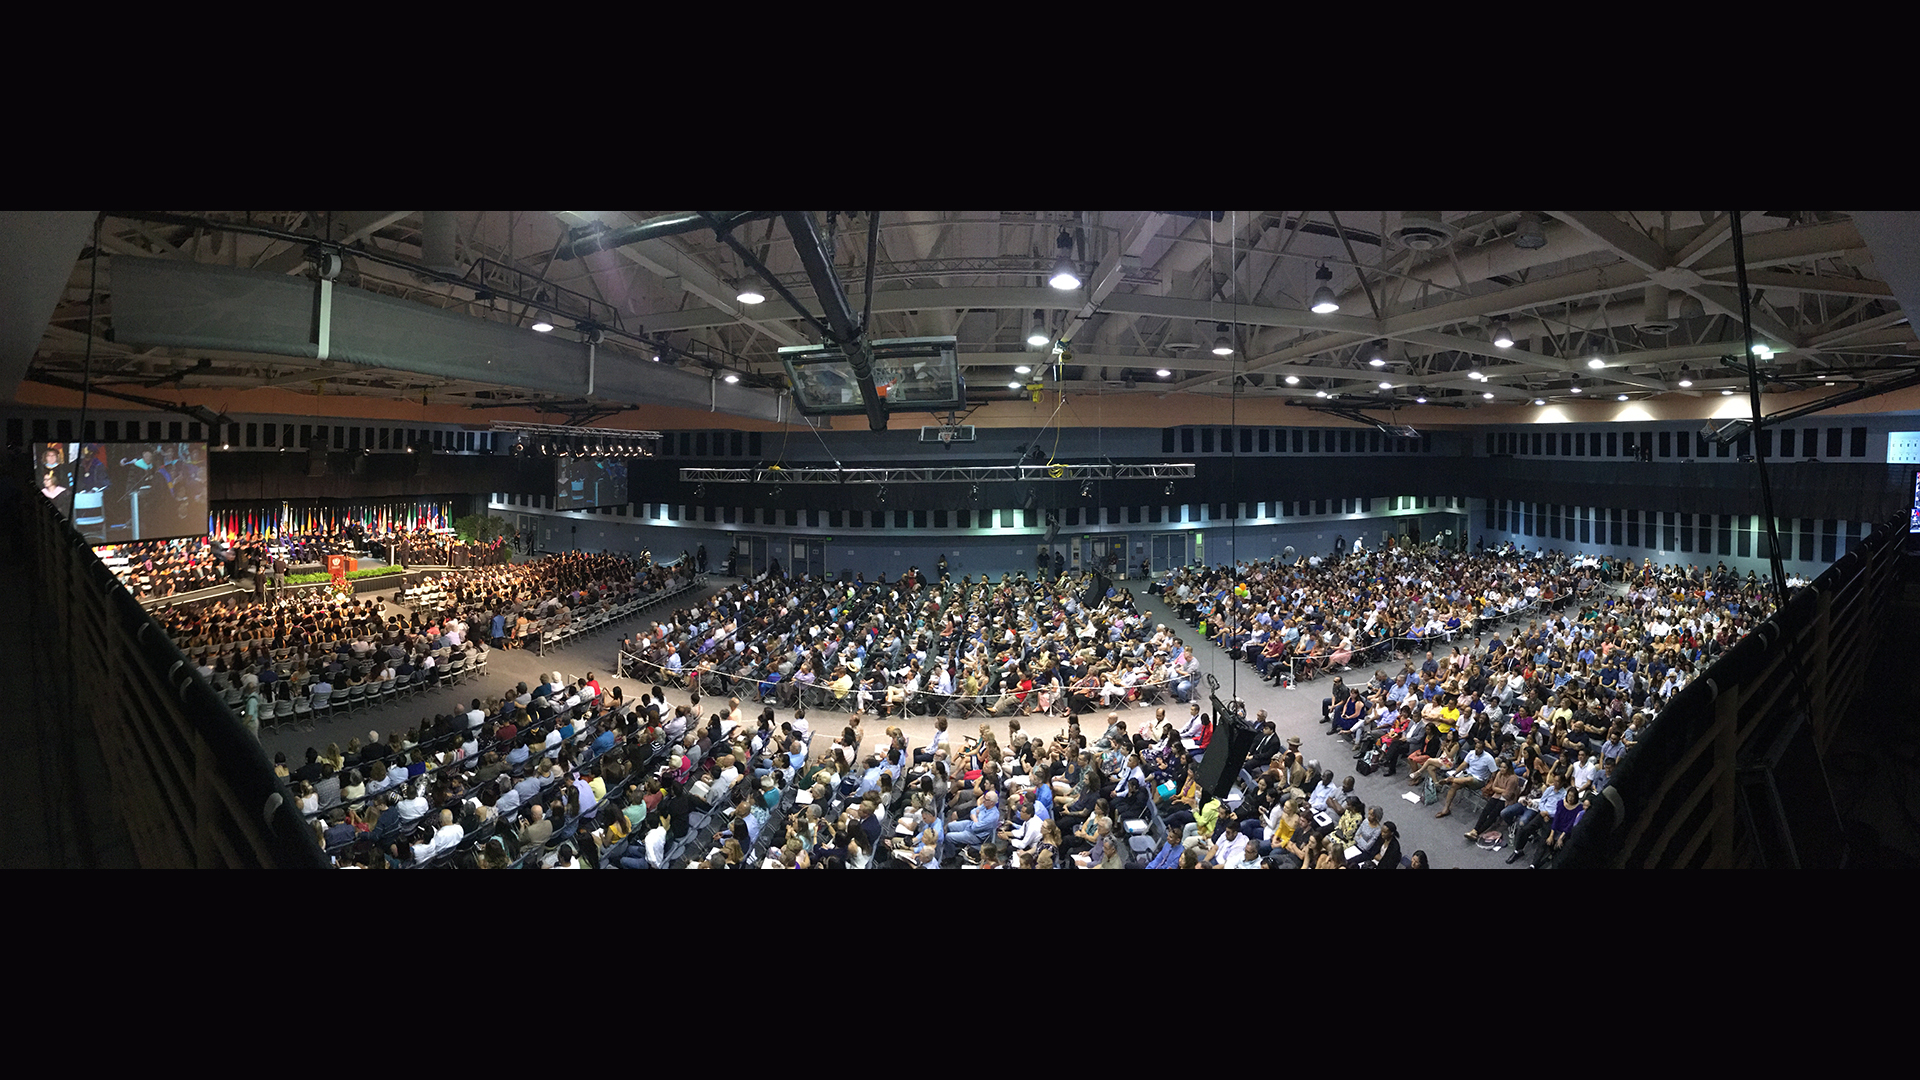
x=752 y=552
x=1167 y=551
x=809 y=556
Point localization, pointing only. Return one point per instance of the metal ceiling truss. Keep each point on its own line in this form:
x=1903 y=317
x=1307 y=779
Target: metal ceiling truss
x=1148 y=281
x=979 y=474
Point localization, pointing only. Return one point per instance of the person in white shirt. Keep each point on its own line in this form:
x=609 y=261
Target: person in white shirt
x=413 y=807
x=449 y=835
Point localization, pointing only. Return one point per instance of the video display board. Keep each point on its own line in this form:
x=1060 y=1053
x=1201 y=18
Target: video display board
x=127 y=491
x=583 y=482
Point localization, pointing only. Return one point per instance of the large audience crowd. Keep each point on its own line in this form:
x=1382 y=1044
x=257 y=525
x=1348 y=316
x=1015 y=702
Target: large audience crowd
x=1521 y=677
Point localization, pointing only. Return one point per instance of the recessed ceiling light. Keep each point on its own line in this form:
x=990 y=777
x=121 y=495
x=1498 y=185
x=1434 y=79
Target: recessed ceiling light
x=1163 y=373
x=542 y=327
x=1023 y=369
x=1293 y=380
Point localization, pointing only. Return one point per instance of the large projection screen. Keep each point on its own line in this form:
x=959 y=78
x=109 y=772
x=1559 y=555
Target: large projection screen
x=581 y=483
x=122 y=492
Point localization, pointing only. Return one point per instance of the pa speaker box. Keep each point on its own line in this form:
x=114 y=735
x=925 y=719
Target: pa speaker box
x=1053 y=530
x=316 y=460
x=1225 y=755
x=1096 y=591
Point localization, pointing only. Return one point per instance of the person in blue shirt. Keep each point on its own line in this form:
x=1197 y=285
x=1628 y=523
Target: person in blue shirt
x=977 y=828
x=604 y=742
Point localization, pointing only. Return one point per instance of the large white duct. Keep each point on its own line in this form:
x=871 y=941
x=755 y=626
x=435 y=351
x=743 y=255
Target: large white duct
x=438 y=232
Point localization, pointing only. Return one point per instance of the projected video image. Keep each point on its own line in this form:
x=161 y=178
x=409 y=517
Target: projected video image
x=583 y=482
x=128 y=491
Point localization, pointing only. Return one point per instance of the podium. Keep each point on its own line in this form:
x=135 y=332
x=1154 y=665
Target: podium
x=337 y=566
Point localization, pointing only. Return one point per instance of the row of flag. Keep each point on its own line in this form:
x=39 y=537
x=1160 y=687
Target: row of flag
x=288 y=520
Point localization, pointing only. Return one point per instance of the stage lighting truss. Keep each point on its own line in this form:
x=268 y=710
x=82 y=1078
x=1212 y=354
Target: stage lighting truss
x=984 y=474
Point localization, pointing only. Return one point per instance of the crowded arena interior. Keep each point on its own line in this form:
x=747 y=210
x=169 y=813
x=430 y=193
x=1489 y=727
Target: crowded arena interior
x=962 y=540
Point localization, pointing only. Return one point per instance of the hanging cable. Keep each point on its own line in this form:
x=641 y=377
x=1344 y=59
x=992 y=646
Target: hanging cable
x=1233 y=407
x=1753 y=392
x=86 y=379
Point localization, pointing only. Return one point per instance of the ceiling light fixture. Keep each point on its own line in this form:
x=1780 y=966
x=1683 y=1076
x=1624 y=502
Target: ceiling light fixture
x=1324 y=302
x=1420 y=398
x=1022 y=369
x=1539 y=401
x=1686 y=376
x=1319 y=393
x=1163 y=373
x=1386 y=386
x=1013 y=386
x=1064 y=277
x=732 y=378
x=1502 y=335
x=1293 y=380
x=1763 y=351
x=541 y=327
x=1379 y=357
x=1038 y=336
x=656 y=358
x=1528 y=235
x=1726 y=393
x=1597 y=363
x=1488 y=395
x=1475 y=373
x=747 y=294
x=1222 y=346
x=1623 y=397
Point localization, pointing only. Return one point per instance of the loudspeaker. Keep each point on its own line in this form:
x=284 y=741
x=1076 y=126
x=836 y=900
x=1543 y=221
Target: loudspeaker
x=316 y=460
x=1225 y=755
x=1096 y=592
x=1053 y=530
